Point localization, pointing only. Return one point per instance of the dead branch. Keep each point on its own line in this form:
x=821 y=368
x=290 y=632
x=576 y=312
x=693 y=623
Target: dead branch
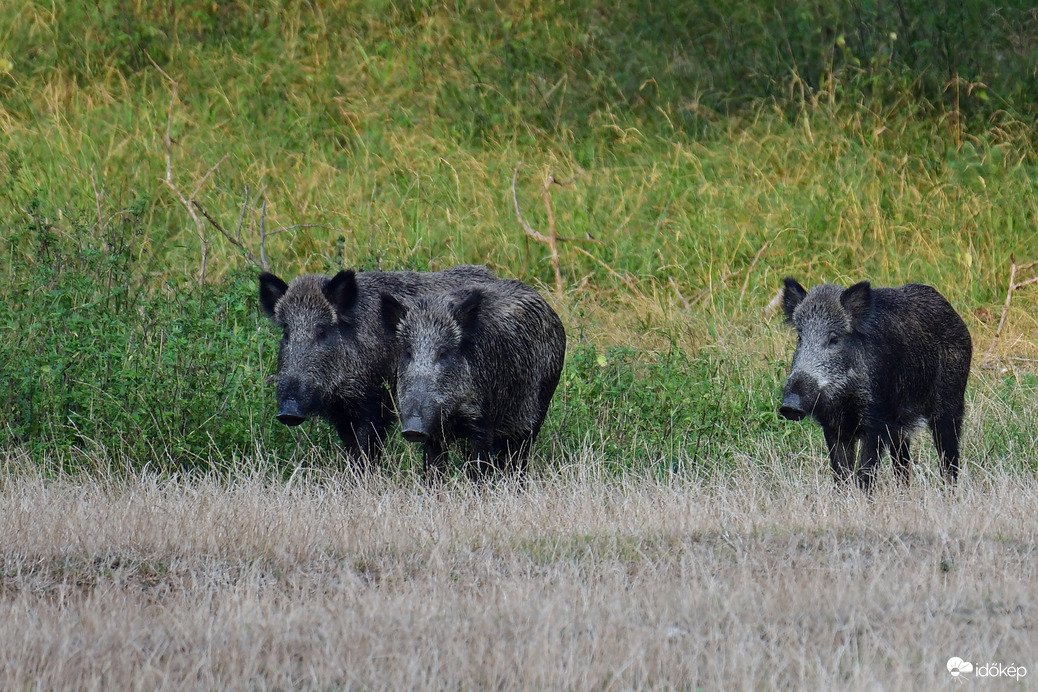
x=263 y=235
x=188 y=202
x=749 y=270
x=241 y=216
x=1014 y=285
x=553 y=239
x=553 y=236
x=674 y=285
x=235 y=241
x=625 y=279
x=205 y=177
x=522 y=222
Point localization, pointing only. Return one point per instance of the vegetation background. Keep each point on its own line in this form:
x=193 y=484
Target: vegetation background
x=152 y=150
x=687 y=155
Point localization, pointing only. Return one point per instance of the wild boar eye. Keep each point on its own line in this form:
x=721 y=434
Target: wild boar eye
x=441 y=355
x=833 y=340
x=321 y=333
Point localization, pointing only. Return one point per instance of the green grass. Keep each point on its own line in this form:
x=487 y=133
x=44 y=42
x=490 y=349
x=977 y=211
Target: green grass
x=714 y=150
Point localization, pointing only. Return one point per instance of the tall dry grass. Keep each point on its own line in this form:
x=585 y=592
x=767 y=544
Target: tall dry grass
x=764 y=578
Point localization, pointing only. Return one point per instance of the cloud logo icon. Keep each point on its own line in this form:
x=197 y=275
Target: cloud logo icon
x=956 y=666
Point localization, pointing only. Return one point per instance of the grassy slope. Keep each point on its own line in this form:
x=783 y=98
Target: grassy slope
x=715 y=150
x=397 y=131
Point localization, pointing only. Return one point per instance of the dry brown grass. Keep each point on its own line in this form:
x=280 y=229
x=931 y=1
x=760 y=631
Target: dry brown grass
x=763 y=579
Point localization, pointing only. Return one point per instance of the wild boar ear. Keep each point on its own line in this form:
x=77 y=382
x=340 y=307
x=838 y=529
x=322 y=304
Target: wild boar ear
x=341 y=291
x=857 y=301
x=393 y=312
x=792 y=294
x=271 y=289
x=466 y=309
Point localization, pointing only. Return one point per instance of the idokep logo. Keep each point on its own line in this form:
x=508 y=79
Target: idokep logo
x=956 y=666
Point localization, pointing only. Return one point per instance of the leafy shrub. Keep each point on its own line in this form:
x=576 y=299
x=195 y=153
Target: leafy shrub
x=89 y=358
x=671 y=407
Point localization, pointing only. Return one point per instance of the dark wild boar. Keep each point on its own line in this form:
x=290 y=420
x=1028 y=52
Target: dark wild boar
x=481 y=365
x=337 y=360
x=873 y=364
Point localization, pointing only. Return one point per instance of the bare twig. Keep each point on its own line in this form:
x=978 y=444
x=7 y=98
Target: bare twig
x=519 y=215
x=550 y=240
x=553 y=239
x=205 y=177
x=1014 y=285
x=241 y=217
x=263 y=235
x=553 y=236
x=188 y=202
x=674 y=285
x=236 y=242
x=626 y=280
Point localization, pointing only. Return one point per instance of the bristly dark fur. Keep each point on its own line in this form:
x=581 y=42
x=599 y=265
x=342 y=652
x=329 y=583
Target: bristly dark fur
x=337 y=358
x=479 y=364
x=871 y=365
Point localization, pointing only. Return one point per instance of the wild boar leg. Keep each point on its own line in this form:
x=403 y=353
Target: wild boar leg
x=946 y=432
x=841 y=456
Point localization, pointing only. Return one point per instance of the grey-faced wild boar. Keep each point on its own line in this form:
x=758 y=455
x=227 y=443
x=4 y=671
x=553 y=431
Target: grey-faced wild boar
x=337 y=360
x=873 y=364
x=481 y=365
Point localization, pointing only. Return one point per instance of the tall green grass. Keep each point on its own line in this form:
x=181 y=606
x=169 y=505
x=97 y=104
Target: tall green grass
x=712 y=149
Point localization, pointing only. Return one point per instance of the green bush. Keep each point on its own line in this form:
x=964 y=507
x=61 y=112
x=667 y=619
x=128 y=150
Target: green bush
x=670 y=408
x=90 y=358
x=177 y=378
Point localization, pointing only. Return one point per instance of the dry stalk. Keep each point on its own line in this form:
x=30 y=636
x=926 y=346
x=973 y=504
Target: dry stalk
x=626 y=280
x=97 y=200
x=1014 y=285
x=188 y=202
x=553 y=239
x=234 y=240
x=195 y=209
x=674 y=285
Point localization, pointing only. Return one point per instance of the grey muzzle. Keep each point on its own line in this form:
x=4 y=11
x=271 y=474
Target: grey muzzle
x=414 y=430
x=792 y=407
x=290 y=412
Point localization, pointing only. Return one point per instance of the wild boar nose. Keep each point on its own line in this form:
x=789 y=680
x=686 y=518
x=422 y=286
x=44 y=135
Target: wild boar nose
x=290 y=412
x=792 y=408
x=413 y=430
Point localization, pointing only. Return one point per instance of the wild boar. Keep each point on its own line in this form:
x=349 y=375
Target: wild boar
x=337 y=360
x=873 y=364
x=479 y=364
